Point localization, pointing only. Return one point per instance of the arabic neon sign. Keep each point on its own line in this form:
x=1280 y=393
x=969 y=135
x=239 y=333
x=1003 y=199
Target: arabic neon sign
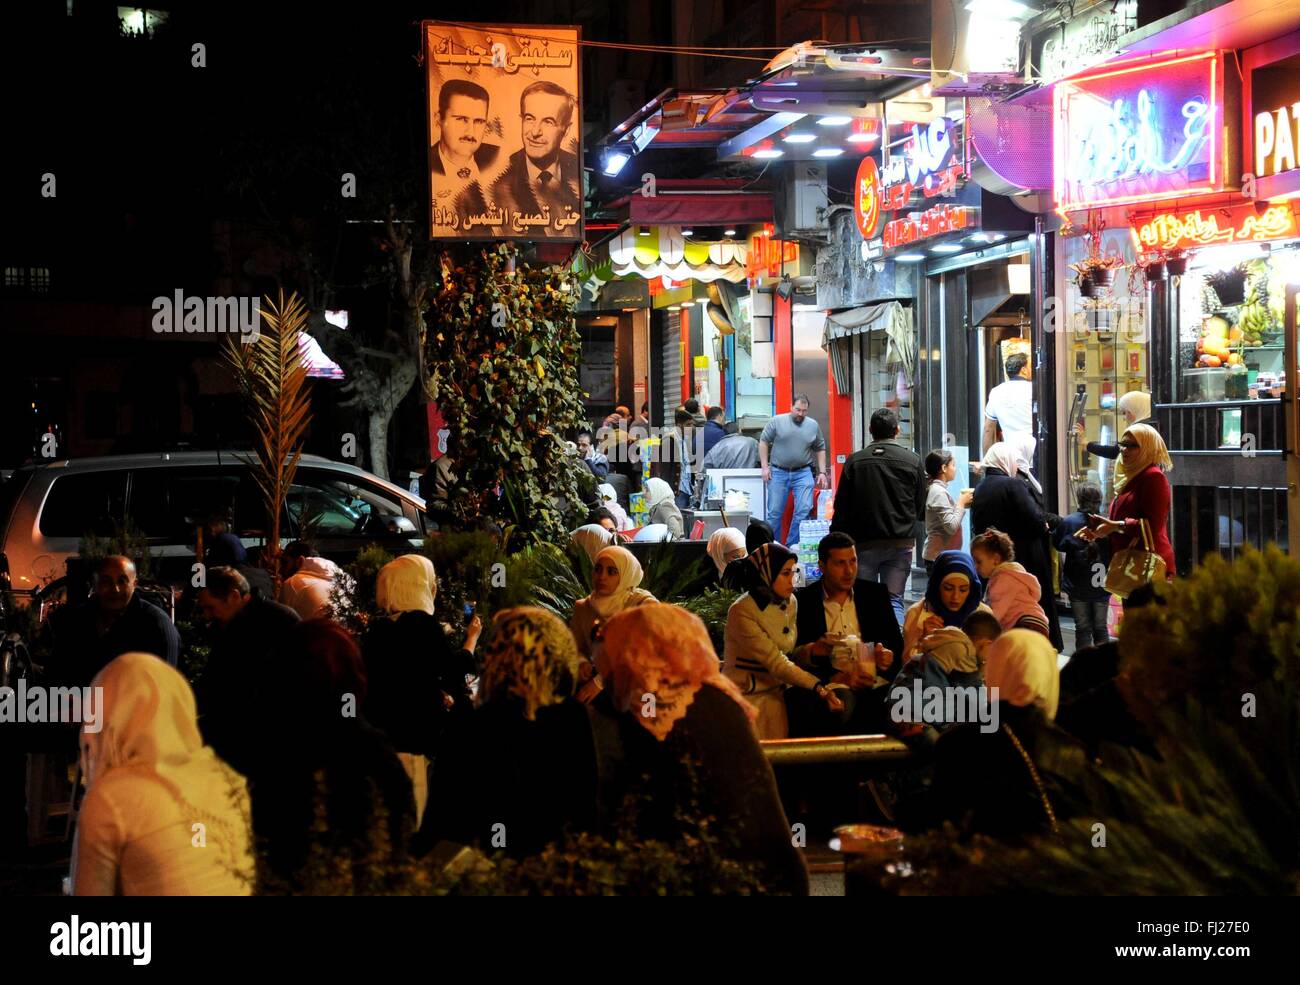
x=1139 y=131
x=932 y=222
x=1206 y=227
x=927 y=163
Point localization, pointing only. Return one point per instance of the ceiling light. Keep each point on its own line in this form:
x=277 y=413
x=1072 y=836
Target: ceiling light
x=862 y=138
x=728 y=232
x=1005 y=9
x=999 y=237
x=946 y=248
x=688 y=232
x=643 y=231
x=828 y=152
x=799 y=138
x=910 y=257
x=768 y=153
x=834 y=121
x=979 y=237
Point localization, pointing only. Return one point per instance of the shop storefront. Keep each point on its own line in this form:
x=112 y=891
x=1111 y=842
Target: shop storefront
x=1175 y=270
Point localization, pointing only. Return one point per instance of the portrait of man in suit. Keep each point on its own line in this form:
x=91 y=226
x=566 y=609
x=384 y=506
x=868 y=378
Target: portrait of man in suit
x=542 y=176
x=460 y=156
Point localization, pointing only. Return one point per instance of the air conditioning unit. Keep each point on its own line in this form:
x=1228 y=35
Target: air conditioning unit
x=804 y=211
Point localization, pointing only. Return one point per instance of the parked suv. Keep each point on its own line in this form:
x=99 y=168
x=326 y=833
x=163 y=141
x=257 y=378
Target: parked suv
x=46 y=510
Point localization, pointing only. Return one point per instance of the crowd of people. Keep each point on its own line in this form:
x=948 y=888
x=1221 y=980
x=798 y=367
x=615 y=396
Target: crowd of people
x=548 y=728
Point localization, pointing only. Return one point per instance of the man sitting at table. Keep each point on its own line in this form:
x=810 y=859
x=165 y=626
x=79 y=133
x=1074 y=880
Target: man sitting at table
x=834 y=607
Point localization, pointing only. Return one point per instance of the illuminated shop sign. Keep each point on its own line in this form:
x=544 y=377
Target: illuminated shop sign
x=1139 y=132
x=929 y=162
x=1277 y=137
x=769 y=256
x=932 y=222
x=1210 y=226
x=867 y=197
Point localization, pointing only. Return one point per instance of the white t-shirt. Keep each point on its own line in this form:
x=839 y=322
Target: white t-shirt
x=1011 y=405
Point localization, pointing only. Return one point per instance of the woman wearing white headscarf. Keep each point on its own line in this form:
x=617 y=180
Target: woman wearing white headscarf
x=1025 y=444
x=591 y=539
x=1020 y=776
x=609 y=500
x=1144 y=497
x=660 y=507
x=150 y=781
x=416 y=677
x=615 y=575
x=1007 y=502
x=725 y=546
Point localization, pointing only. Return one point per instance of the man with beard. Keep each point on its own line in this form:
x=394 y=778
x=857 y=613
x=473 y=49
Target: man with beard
x=457 y=161
x=542 y=176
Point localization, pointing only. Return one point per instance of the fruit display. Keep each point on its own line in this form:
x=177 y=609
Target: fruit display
x=1217 y=342
x=1265 y=302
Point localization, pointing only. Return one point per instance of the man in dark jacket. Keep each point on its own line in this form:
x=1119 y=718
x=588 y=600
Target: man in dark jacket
x=234 y=707
x=114 y=621
x=840 y=605
x=880 y=503
x=715 y=428
x=542 y=177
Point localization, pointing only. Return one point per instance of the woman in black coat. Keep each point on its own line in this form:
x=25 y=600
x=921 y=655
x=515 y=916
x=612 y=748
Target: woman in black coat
x=1005 y=501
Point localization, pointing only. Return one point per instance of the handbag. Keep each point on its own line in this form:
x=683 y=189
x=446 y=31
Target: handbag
x=1134 y=566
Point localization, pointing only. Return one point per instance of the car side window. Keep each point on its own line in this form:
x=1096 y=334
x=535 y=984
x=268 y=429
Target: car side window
x=171 y=503
x=89 y=503
x=325 y=505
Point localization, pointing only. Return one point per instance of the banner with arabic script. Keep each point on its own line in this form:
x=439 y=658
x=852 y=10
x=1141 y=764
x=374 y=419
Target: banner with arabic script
x=505 y=132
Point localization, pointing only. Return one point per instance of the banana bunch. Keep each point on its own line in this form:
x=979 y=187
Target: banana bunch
x=1254 y=320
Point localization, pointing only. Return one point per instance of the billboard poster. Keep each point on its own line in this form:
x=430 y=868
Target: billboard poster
x=505 y=130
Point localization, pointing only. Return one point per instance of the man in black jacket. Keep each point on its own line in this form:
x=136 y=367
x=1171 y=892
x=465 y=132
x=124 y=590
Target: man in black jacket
x=234 y=706
x=835 y=606
x=114 y=621
x=880 y=502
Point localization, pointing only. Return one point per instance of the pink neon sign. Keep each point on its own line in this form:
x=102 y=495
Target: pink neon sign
x=1139 y=131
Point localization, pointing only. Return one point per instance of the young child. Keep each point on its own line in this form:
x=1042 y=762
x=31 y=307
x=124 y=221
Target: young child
x=1081 y=564
x=983 y=628
x=1012 y=593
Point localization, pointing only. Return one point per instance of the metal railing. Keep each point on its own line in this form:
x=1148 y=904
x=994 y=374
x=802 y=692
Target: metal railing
x=866 y=749
x=1198 y=427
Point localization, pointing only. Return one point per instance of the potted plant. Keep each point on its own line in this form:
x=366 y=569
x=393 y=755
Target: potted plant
x=1176 y=263
x=1096 y=274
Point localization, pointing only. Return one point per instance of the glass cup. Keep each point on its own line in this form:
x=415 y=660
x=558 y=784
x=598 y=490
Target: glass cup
x=845 y=653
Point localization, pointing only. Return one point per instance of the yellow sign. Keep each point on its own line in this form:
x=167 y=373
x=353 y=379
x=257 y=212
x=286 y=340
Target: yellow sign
x=701 y=362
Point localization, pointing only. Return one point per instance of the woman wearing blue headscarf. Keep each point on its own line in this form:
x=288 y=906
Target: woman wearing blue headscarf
x=951 y=595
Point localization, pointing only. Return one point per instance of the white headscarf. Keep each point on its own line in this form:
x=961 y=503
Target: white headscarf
x=591 y=538
x=406 y=584
x=725 y=546
x=656 y=492
x=149 y=724
x=1022 y=665
x=1004 y=456
x=629 y=577
x=1025 y=443
x=607 y=493
x=651 y=533
x=609 y=499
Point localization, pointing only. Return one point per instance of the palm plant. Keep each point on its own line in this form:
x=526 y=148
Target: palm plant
x=271 y=373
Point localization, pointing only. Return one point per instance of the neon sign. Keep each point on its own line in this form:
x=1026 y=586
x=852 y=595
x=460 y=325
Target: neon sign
x=932 y=222
x=1204 y=227
x=926 y=163
x=1142 y=130
x=867 y=198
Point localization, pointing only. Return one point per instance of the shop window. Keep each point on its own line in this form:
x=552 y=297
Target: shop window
x=1231 y=305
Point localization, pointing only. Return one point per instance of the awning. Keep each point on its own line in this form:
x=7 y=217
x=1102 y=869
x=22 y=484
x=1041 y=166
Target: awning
x=890 y=317
x=695 y=201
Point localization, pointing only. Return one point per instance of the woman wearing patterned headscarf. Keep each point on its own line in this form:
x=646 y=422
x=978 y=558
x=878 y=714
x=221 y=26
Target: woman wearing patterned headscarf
x=615 y=575
x=1006 y=501
x=952 y=593
x=521 y=770
x=761 y=630
x=1144 y=495
x=740 y=574
x=689 y=743
x=149 y=781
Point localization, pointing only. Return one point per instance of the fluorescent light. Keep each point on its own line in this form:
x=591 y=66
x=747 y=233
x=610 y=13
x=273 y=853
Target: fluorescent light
x=999 y=237
x=614 y=161
x=910 y=257
x=978 y=237
x=834 y=121
x=768 y=152
x=688 y=232
x=1007 y=9
x=643 y=231
x=861 y=138
x=946 y=248
x=728 y=232
x=799 y=138
x=828 y=152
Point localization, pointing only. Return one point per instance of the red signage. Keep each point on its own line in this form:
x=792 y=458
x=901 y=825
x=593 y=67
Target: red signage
x=1206 y=226
x=932 y=222
x=767 y=255
x=867 y=198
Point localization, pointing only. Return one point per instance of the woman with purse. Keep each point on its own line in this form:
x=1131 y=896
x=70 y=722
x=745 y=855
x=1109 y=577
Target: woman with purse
x=1139 y=515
